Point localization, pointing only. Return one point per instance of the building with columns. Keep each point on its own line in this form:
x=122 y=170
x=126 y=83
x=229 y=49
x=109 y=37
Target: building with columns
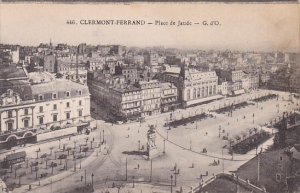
x=38 y=104
x=194 y=87
x=198 y=86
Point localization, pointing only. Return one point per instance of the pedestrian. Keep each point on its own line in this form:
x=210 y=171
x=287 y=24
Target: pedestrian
x=138 y=166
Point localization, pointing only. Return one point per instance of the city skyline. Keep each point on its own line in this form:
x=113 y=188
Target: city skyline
x=269 y=28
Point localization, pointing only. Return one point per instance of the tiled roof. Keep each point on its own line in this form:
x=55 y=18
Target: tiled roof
x=12 y=72
x=59 y=86
x=21 y=87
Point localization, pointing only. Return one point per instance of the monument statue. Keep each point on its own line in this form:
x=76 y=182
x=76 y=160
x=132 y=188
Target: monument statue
x=151 y=146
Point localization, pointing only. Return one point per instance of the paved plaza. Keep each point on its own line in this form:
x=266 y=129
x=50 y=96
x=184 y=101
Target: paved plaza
x=180 y=149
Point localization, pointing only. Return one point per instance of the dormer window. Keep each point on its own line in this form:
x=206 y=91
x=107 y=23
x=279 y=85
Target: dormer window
x=68 y=94
x=54 y=96
x=41 y=97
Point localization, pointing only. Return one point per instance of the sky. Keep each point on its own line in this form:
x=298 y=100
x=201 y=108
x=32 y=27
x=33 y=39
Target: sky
x=257 y=27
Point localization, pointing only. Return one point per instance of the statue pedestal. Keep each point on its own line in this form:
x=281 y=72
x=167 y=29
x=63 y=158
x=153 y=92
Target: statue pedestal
x=151 y=146
x=153 y=153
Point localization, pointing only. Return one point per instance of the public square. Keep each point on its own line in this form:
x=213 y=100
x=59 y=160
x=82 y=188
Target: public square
x=181 y=149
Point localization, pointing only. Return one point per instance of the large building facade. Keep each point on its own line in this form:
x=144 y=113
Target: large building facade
x=150 y=94
x=122 y=100
x=33 y=106
x=198 y=87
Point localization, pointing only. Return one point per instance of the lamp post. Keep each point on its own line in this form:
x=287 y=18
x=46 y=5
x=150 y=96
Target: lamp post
x=59 y=143
x=132 y=181
x=92 y=179
x=84 y=176
x=171 y=183
x=139 y=143
x=164 y=146
x=37 y=153
x=74 y=162
x=126 y=171
x=103 y=135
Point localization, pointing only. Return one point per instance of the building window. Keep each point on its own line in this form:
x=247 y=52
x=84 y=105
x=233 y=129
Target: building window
x=68 y=104
x=68 y=115
x=68 y=94
x=54 y=117
x=9 y=114
x=54 y=96
x=26 y=123
x=80 y=113
x=278 y=177
x=10 y=126
x=54 y=106
x=25 y=111
x=188 y=94
x=41 y=97
x=80 y=103
x=41 y=120
x=41 y=109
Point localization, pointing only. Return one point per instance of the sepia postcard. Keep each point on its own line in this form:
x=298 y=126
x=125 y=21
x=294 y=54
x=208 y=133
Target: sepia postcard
x=149 y=97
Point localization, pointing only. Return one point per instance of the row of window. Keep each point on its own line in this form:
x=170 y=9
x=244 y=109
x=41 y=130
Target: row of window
x=10 y=113
x=41 y=120
x=54 y=95
x=41 y=109
x=55 y=106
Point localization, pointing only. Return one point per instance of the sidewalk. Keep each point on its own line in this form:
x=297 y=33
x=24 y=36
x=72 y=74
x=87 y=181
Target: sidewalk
x=52 y=179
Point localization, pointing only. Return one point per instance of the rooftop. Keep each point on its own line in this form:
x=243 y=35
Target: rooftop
x=58 y=85
x=12 y=72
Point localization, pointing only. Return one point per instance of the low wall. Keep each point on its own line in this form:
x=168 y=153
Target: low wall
x=57 y=133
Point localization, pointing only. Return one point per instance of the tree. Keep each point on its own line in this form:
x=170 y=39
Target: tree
x=237 y=137
x=244 y=134
x=59 y=75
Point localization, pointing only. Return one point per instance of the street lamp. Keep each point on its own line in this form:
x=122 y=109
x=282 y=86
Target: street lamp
x=139 y=143
x=103 y=135
x=59 y=143
x=171 y=183
x=92 y=179
x=74 y=162
x=164 y=146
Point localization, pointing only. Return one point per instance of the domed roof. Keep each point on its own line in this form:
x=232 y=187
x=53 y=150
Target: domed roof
x=40 y=77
